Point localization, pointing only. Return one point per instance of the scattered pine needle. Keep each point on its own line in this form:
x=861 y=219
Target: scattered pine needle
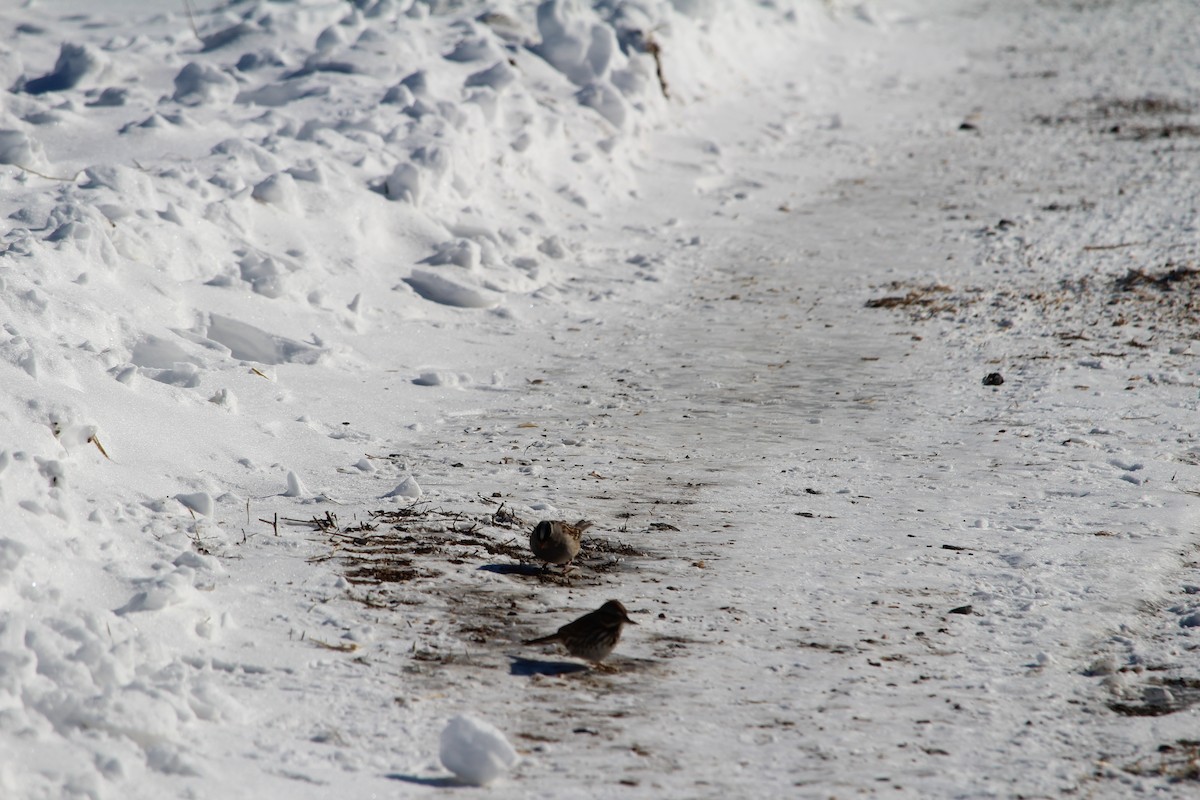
x=345 y=647
x=1088 y=248
x=96 y=441
x=256 y=371
x=33 y=171
x=528 y=425
x=192 y=19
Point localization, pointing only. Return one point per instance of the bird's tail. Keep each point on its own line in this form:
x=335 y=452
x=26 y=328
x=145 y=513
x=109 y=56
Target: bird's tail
x=543 y=640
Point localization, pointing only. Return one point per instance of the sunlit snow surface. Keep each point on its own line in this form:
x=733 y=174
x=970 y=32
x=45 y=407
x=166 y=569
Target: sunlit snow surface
x=310 y=310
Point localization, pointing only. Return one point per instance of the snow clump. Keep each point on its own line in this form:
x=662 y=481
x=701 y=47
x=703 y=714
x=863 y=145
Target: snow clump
x=477 y=752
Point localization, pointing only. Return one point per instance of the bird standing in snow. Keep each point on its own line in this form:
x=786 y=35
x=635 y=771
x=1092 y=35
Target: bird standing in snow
x=557 y=542
x=594 y=635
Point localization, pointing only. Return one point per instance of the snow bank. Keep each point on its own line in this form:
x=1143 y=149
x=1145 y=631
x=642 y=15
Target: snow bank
x=189 y=217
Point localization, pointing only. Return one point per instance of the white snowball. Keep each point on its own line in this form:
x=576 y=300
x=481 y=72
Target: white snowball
x=477 y=752
x=17 y=148
x=203 y=84
x=278 y=190
x=438 y=288
x=295 y=487
x=404 y=183
x=407 y=488
x=200 y=502
x=605 y=100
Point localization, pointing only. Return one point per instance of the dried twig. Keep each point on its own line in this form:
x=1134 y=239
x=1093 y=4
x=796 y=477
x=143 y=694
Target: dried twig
x=655 y=51
x=94 y=439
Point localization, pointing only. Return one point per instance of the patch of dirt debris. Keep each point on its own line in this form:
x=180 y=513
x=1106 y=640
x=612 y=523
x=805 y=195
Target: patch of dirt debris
x=1125 y=312
x=422 y=553
x=415 y=541
x=1159 y=697
x=920 y=302
x=1179 y=762
x=1171 y=278
x=1132 y=118
x=421 y=541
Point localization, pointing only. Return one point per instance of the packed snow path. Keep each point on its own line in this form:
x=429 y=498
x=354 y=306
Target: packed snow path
x=856 y=568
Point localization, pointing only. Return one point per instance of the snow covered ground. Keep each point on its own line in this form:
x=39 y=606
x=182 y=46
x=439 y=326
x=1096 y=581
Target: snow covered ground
x=865 y=333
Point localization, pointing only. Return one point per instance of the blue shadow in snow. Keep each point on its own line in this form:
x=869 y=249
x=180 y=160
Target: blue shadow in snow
x=512 y=569
x=440 y=783
x=527 y=667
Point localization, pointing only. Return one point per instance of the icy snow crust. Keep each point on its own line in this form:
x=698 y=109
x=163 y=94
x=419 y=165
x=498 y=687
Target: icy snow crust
x=309 y=310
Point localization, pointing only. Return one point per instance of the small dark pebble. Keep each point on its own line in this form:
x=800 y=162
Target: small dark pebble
x=967 y=126
x=993 y=379
x=962 y=610
x=954 y=547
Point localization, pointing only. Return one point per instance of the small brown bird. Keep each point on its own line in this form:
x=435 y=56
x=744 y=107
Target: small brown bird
x=557 y=542
x=594 y=635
